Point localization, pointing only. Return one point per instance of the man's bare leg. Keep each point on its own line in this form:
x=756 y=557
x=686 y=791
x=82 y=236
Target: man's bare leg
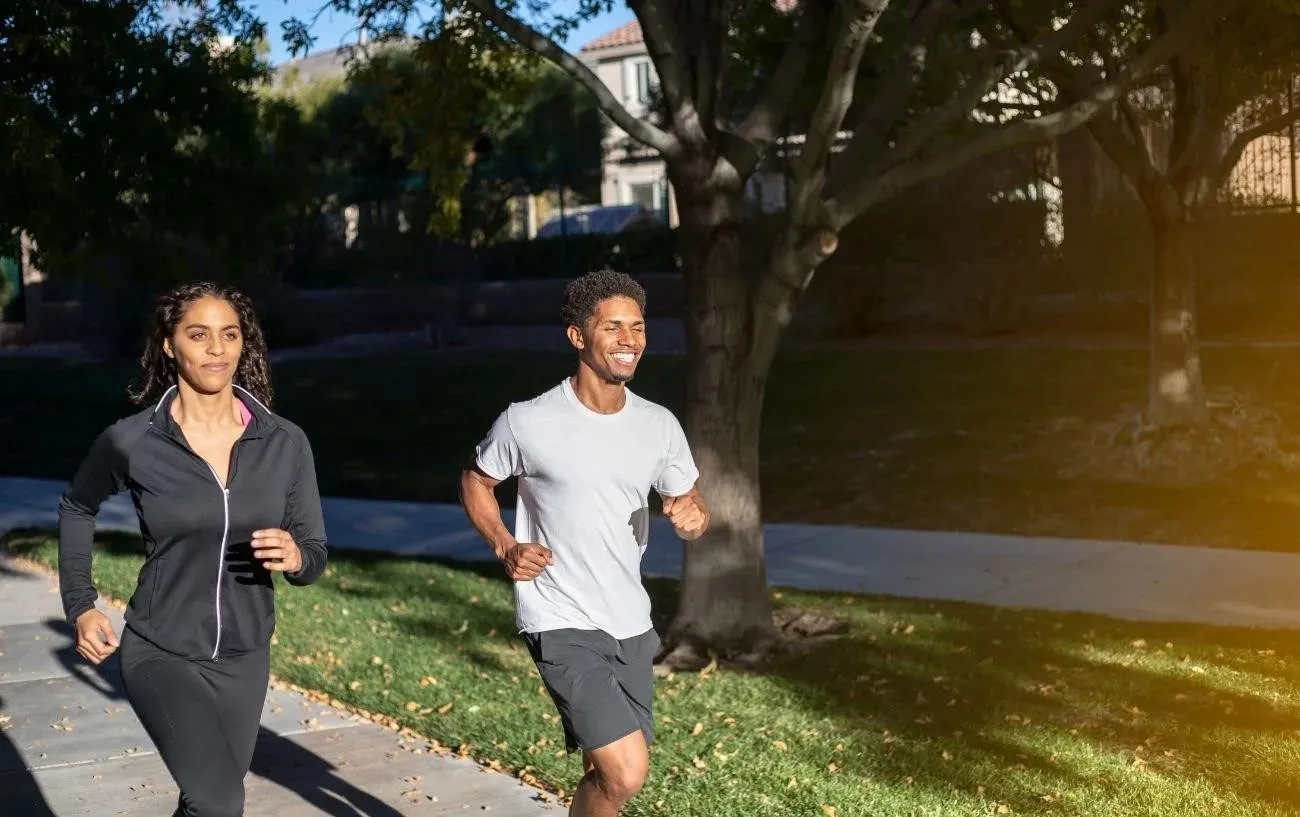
x=614 y=774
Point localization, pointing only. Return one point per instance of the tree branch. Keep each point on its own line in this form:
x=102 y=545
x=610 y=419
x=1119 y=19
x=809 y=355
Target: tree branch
x=871 y=129
x=809 y=165
x=663 y=142
x=808 y=239
x=668 y=52
x=1020 y=60
x=708 y=55
x=872 y=190
x=1238 y=146
x=920 y=171
x=1132 y=160
x=759 y=129
x=1137 y=134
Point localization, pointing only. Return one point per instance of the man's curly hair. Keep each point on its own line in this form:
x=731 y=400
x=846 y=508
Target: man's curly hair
x=583 y=293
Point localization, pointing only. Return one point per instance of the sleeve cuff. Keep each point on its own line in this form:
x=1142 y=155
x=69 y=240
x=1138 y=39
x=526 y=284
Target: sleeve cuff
x=491 y=472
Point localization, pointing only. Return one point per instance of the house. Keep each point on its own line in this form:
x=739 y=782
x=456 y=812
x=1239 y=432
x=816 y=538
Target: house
x=634 y=174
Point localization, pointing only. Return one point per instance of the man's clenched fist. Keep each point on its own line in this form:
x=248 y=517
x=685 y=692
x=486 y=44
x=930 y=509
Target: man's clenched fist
x=525 y=562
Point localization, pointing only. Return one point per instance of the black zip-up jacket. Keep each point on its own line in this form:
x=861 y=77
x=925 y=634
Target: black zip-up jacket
x=200 y=594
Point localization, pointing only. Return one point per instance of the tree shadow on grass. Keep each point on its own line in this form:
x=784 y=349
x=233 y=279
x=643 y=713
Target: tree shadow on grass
x=1026 y=704
x=1015 y=690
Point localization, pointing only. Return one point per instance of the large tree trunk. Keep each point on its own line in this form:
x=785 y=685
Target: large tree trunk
x=1177 y=389
x=724 y=607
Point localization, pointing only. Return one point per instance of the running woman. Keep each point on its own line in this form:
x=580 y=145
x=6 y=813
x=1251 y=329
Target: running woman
x=226 y=496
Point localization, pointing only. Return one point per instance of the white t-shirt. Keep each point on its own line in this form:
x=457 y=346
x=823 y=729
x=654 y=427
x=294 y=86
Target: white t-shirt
x=584 y=485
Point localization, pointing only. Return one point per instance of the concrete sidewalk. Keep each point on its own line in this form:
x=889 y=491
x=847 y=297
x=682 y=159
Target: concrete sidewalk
x=1125 y=580
x=70 y=745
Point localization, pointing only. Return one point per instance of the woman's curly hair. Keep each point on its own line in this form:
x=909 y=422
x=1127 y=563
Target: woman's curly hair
x=158 y=371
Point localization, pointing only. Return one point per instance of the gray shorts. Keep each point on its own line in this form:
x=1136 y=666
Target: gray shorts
x=602 y=687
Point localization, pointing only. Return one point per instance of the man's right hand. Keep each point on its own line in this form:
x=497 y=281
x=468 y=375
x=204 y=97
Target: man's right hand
x=95 y=637
x=525 y=562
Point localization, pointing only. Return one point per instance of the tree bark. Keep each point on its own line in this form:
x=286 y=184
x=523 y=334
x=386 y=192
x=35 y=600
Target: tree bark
x=1176 y=389
x=724 y=606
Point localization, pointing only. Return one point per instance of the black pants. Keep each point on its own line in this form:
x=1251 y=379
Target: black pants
x=202 y=716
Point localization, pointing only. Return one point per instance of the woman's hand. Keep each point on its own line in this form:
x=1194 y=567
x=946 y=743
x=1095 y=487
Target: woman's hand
x=95 y=637
x=276 y=550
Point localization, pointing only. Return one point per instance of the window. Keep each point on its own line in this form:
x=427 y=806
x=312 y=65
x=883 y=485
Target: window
x=646 y=195
x=645 y=81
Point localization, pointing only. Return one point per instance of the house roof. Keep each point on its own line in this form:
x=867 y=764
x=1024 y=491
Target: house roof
x=630 y=34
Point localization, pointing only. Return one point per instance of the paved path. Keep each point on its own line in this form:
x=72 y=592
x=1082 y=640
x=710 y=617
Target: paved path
x=1136 y=581
x=70 y=745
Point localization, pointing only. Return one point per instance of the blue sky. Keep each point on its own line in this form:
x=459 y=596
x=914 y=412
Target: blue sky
x=333 y=29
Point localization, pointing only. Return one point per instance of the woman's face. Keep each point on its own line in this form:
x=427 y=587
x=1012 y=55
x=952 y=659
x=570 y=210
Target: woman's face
x=206 y=345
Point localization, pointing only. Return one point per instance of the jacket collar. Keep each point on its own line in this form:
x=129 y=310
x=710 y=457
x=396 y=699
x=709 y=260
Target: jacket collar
x=262 y=423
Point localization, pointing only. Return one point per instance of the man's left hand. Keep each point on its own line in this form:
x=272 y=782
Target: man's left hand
x=688 y=515
x=276 y=550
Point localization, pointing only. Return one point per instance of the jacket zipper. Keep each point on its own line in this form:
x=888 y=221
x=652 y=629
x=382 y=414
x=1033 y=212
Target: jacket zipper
x=221 y=554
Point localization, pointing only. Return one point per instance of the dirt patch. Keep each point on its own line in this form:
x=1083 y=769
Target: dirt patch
x=1242 y=437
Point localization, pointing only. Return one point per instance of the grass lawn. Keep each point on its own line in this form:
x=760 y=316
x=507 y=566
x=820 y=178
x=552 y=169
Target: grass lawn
x=999 y=441
x=923 y=709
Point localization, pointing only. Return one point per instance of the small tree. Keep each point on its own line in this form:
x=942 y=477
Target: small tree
x=1176 y=138
x=896 y=84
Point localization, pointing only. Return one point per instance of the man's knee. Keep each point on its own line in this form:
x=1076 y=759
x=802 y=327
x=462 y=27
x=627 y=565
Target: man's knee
x=621 y=784
x=620 y=774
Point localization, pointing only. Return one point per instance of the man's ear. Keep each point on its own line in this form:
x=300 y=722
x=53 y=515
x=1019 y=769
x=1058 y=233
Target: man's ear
x=575 y=338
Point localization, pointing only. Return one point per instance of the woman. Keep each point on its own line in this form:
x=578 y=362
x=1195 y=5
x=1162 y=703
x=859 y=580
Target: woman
x=226 y=494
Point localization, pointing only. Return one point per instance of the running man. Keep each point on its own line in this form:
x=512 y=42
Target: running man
x=587 y=452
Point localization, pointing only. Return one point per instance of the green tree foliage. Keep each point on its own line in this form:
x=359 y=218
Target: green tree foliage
x=548 y=141
x=135 y=137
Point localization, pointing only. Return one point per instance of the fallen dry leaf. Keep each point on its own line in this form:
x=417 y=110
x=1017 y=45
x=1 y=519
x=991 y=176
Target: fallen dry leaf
x=829 y=811
x=779 y=745
x=709 y=670
x=699 y=727
x=445 y=708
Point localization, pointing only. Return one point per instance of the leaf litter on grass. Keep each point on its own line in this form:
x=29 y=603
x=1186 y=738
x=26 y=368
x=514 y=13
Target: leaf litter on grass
x=919 y=708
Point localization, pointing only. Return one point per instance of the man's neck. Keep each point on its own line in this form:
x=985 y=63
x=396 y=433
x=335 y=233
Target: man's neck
x=596 y=393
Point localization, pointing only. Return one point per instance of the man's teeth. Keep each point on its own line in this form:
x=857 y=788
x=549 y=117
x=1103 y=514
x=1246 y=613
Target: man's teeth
x=625 y=357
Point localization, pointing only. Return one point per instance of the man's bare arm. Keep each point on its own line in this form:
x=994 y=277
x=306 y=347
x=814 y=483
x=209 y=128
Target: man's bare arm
x=523 y=562
x=478 y=498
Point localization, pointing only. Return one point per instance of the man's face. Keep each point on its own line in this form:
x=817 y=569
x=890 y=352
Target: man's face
x=613 y=340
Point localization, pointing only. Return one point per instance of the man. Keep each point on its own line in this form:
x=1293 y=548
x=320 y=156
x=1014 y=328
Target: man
x=587 y=452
